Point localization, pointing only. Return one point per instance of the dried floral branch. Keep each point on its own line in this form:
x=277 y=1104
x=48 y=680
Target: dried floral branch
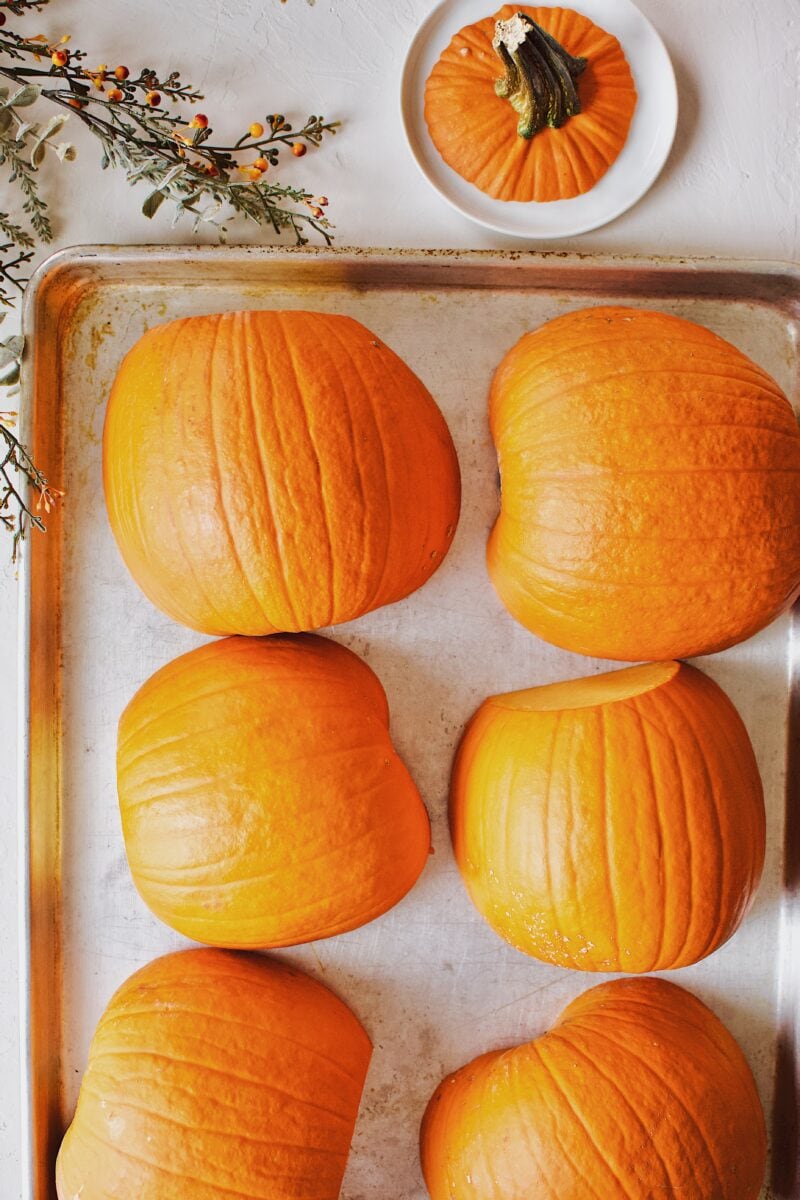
x=16 y=514
x=143 y=132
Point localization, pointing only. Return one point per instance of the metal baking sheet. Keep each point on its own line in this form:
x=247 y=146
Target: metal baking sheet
x=432 y=983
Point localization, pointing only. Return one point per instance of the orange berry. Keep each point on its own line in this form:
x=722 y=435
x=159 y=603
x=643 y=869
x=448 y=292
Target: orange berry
x=59 y=58
x=251 y=172
x=121 y=73
x=299 y=149
x=199 y=121
x=261 y=164
x=256 y=130
x=322 y=201
x=114 y=95
x=317 y=212
x=153 y=99
x=74 y=102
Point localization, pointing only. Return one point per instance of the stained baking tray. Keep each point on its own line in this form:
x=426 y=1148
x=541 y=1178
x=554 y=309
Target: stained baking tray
x=432 y=983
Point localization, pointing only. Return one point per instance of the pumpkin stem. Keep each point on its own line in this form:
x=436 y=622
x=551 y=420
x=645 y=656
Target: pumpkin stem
x=540 y=74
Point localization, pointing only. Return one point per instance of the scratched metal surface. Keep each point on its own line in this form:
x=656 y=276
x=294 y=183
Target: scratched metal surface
x=432 y=983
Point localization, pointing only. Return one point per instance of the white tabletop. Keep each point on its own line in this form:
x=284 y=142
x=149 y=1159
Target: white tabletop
x=729 y=188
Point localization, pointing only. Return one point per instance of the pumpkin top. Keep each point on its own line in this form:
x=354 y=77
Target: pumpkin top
x=489 y=141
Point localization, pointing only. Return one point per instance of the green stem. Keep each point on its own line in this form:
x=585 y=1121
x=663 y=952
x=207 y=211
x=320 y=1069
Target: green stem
x=539 y=82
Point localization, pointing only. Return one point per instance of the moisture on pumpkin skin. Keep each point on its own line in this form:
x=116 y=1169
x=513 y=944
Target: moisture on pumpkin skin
x=275 y=471
x=650 y=503
x=475 y=130
x=263 y=803
x=213 y=1075
x=614 y=823
x=637 y=1091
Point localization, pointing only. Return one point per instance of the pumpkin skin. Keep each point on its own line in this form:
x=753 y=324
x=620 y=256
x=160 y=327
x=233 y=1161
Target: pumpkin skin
x=475 y=131
x=213 y=1075
x=263 y=803
x=650 y=502
x=275 y=471
x=614 y=823
x=637 y=1091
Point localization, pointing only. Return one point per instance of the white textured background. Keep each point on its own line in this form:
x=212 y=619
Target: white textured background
x=729 y=188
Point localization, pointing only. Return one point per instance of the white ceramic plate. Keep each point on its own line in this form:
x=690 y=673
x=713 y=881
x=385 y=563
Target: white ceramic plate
x=626 y=181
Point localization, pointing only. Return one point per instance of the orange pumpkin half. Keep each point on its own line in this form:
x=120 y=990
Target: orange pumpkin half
x=275 y=471
x=650 y=504
x=614 y=823
x=214 y=1075
x=637 y=1091
x=476 y=131
x=263 y=803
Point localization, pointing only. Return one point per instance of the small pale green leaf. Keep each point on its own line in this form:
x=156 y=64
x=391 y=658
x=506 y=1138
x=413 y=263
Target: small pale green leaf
x=10 y=351
x=5 y=120
x=29 y=93
x=153 y=203
x=9 y=374
x=53 y=126
x=170 y=176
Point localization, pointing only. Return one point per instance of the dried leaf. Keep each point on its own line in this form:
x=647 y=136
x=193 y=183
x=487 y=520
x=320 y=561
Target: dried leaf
x=153 y=203
x=29 y=93
x=53 y=126
x=66 y=151
x=37 y=154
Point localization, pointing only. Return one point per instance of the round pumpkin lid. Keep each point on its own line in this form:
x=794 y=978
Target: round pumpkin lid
x=477 y=130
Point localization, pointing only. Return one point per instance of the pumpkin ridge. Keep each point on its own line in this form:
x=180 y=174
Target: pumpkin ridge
x=304 y=424
x=537 y=1049
x=579 y=144
x=304 y=1101
x=602 y=1032
x=223 y=1018
x=186 y=789
x=571 y=152
x=646 y=537
x=546 y=813
x=215 y=1189
x=336 y=706
x=514 y=1065
x=754 y=376
x=638 y=584
x=721 y=864
x=204 y=1130
x=662 y=906
x=222 y=508
x=597 y=472
x=772 y=430
x=246 y=880
x=754 y=867
x=572 y=1048
x=284 y=535
x=170 y=506
x=374 y=600
x=574 y=389
x=243 y=352
x=609 y=872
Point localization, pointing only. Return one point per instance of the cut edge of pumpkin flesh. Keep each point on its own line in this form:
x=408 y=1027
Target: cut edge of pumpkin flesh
x=593 y=691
